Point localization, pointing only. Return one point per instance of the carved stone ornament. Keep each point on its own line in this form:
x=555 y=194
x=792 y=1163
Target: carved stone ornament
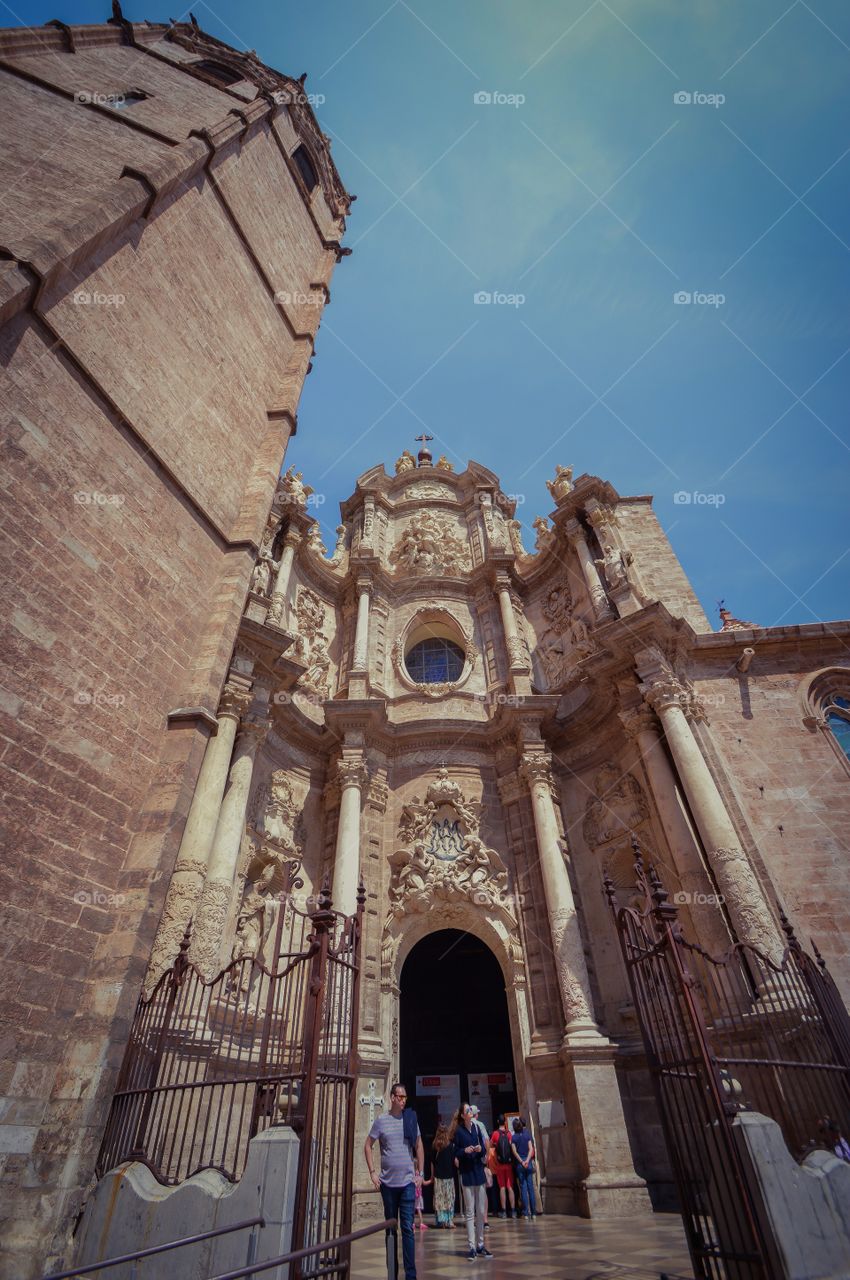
x=441 y=857
x=429 y=545
x=614 y=566
x=277 y=812
x=314 y=540
x=558 y=606
x=406 y=462
x=424 y=489
x=515 y=535
x=561 y=652
x=443 y=463
x=312 y=645
x=261 y=576
x=562 y=484
x=618 y=807
x=545 y=536
x=339 y=549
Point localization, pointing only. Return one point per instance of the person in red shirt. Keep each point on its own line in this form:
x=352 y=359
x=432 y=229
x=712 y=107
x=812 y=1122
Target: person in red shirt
x=503 y=1167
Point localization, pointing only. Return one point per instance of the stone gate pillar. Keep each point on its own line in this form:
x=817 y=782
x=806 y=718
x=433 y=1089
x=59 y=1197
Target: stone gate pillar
x=608 y=1184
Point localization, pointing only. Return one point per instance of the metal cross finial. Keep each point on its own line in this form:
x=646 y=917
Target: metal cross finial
x=424 y=437
x=371 y=1100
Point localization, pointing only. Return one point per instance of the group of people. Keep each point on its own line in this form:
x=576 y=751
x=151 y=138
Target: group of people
x=463 y=1148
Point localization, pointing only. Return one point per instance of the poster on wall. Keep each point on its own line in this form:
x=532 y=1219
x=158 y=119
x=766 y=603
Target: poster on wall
x=480 y=1094
x=446 y=1089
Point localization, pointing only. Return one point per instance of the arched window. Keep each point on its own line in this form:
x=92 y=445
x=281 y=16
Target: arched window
x=435 y=661
x=304 y=164
x=837 y=715
x=825 y=698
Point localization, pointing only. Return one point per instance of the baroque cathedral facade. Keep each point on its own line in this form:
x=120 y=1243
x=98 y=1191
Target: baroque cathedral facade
x=202 y=698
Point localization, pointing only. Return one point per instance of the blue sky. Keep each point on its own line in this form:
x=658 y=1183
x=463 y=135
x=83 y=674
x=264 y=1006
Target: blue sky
x=595 y=200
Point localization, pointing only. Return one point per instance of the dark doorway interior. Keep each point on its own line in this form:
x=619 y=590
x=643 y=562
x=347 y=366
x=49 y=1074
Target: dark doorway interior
x=454 y=1020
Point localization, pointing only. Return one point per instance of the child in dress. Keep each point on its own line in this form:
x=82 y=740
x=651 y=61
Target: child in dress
x=418 y=1204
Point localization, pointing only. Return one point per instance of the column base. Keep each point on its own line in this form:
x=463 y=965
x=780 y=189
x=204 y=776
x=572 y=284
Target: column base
x=609 y=1185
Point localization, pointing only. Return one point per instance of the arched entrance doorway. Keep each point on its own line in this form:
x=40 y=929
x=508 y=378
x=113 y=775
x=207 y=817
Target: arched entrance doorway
x=454 y=1030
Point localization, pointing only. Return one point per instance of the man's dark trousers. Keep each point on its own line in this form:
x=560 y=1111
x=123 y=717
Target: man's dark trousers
x=398 y=1203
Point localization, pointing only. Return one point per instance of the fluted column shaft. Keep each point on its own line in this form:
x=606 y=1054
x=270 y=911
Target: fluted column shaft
x=567 y=946
x=190 y=869
x=517 y=657
x=747 y=906
x=352 y=776
x=590 y=573
x=215 y=898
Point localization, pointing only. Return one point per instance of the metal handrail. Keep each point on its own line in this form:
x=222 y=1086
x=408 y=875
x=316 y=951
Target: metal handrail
x=389 y=1224
x=156 y=1248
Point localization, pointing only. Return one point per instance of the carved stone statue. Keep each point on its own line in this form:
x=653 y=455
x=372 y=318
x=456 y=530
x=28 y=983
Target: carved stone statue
x=315 y=678
x=545 y=536
x=339 y=549
x=515 y=534
x=261 y=576
x=562 y=484
x=314 y=539
x=250 y=934
x=614 y=566
x=292 y=488
x=429 y=545
x=443 y=463
x=406 y=462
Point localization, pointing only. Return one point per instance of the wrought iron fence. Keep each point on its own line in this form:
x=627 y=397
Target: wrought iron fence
x=722 y=1035
x=212 y=1063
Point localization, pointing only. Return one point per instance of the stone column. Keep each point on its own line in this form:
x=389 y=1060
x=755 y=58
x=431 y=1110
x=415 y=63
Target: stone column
x=567 y=945
x=598 y=595
x=214 y=902
x=642 y=729
x=277 y=604
x=360 y=661
x=190 y=868
x=607 y=1181
x=352 y=776
x=747 y=906
x=517 y=655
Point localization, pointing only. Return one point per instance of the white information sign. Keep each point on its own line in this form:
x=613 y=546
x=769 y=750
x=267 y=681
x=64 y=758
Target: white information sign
x=446 y=1089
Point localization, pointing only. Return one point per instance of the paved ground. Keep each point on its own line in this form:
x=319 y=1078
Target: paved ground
x=549 y=1248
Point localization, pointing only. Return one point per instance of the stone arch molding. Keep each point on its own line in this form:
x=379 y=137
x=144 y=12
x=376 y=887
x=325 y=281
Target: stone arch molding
x=443 y=875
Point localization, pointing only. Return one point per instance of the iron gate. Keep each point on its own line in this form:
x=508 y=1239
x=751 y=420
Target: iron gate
x=723 y=1035
x=211 y=1063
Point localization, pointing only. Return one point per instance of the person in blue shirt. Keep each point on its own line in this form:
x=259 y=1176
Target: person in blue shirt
x=470 y=1159
x=523 y=1153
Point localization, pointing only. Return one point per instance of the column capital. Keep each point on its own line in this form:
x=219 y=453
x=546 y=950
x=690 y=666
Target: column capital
x=637 y=720
x=364 y=584
x=536 y=770
x=235 y=698
x=291 y=538
x=573 y=531
x=352 y=773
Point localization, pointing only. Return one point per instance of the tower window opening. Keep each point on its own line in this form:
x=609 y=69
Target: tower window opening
x=305 y=167
x=838 y=719
x=218 y=71
x=435 y=661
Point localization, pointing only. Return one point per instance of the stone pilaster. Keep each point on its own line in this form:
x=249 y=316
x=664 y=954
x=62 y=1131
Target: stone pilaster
x=517 y=651
x=748 y=909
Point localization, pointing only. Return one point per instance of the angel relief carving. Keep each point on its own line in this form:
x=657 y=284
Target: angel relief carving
x=312 y=644
x=566 y=643
x=617 y=809
x=430 y=545
x=441 y=857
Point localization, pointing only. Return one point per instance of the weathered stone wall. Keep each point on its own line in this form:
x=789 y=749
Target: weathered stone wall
x=656 y=562
x=144 y=438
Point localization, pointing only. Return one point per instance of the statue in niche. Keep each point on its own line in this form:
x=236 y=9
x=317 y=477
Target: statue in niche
x=614 y=566
x=252 y=926
x=261 y=576
x=618 y=807
x=406 y=462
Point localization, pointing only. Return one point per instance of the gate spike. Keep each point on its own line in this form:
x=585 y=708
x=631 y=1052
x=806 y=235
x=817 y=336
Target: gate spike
x=609 y=890
x=788 y=930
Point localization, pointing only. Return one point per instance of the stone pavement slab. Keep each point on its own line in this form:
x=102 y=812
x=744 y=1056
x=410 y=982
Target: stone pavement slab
x=553 y=1247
